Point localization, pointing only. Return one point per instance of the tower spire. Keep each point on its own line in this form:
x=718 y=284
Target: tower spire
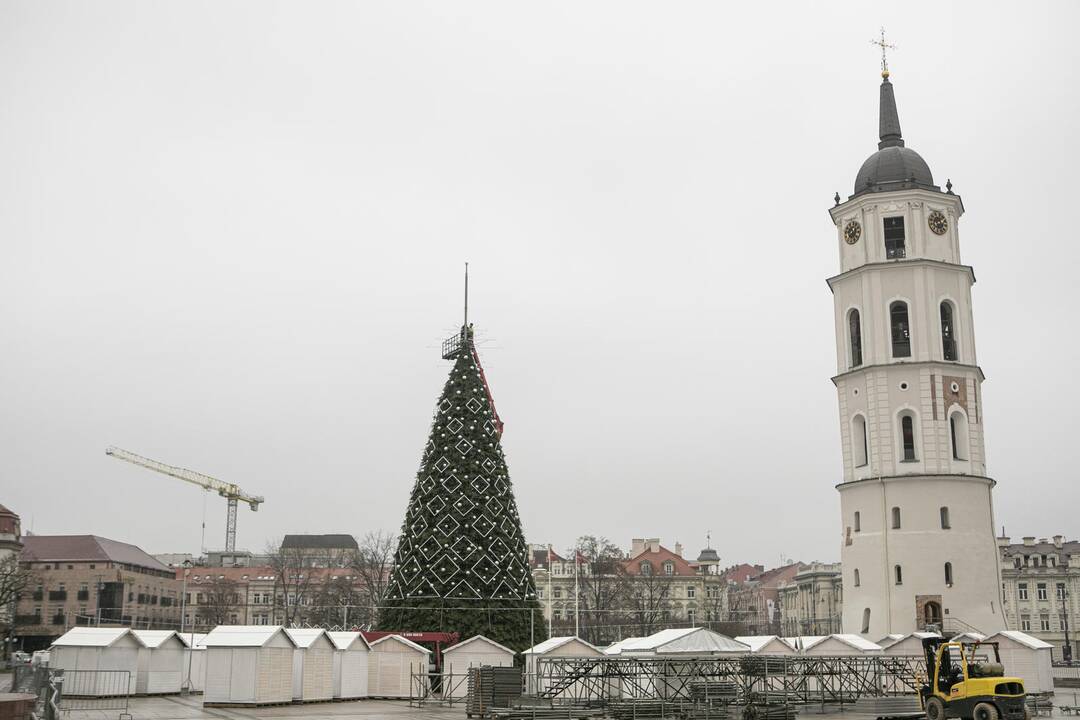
x=888 y=118
x=466 y=295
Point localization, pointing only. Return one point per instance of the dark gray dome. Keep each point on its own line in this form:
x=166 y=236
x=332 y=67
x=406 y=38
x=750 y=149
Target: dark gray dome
x=708 y=555
x=893 y=168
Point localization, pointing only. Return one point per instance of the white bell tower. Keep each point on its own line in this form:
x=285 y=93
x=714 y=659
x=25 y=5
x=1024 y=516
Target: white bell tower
x=918 y=521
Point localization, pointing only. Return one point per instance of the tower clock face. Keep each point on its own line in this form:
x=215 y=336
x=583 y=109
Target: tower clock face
x=937 y=222
x=852 y=232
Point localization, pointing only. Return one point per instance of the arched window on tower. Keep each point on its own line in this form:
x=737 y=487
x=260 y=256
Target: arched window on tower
x=896 y=518
x=958 y=433
x=858 y=522
x=866 y=620
x=901 y=329
x=907 y=437
x=945 y=518
x=948 y=574
x=948 y=331
x=899 y=573
x=857 y=582
x=859 y=441
x=855 y=337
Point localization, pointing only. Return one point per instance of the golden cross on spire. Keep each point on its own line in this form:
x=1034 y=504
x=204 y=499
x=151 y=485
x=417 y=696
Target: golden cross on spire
x=884 y=46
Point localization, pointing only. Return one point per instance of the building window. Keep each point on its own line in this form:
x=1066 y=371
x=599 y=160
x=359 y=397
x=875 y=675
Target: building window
x=691 y=591
x=958 y=431
x=858 y=440
x=948 y=331
x=901 y=329
x=944 y=512
x=866 y=620
x=691 y=616
x=948 y=574
x=1044 y=622
x=858 y=522
x=907 y=437
x=540 y=593
x=857 y=580
x=896 y=518
x=894 y=238
x=1022 y=588
x=899 y=573
x=1040 y=590
x=855 y=337
x=1061 y=591
x=646 y=567
x=557 y=593
x=1025 y=623
x=669 y=568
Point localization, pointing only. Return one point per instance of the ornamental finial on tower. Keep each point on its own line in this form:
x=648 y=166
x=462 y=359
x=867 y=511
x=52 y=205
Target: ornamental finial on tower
x=884 y=60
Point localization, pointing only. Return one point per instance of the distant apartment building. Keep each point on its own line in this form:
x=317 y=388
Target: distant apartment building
x=754 y=603
x=92 y=580
x=329 y=550
x=811 y=601
x=1040 y=582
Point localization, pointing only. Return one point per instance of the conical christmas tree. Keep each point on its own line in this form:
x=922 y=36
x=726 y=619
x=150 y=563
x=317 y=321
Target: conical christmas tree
x=461 y=563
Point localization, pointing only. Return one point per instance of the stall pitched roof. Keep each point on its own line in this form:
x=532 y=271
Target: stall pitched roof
x=685 y=640
x=1021 y=637
x=244 y=635
x=555 y=643
x=305 y=637
x=616 y=647
x=856 y=641
x=94 y=637
x=756 y=642
x=344 y=639
x=475 y=638
x=156 y=638
x=403 y=640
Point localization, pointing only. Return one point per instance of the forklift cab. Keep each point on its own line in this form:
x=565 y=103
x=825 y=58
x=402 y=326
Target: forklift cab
x=959 y=684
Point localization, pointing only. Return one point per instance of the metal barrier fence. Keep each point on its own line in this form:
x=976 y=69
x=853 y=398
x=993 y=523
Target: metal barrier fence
x=105 y=690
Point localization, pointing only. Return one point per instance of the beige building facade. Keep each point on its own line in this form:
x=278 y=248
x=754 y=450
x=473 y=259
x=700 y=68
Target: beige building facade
x=1040 y=581
x=811 y=603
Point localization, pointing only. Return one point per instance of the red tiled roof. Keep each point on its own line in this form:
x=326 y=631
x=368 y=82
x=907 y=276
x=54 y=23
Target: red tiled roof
x=742 y=572
x=776 y=576
x=83 y=548
x=657 y=560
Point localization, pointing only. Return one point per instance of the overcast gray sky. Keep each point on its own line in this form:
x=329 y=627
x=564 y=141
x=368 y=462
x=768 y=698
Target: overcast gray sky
x=233 y=235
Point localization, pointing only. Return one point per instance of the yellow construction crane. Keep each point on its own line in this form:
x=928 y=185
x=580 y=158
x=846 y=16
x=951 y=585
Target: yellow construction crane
x=229 y=491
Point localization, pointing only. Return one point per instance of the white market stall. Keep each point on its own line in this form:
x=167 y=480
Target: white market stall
x=313 y=665
x=161 y=662
x=1027 y=658
x=97 y=661
x=910 y=644
x=248 y=665
x=685 y=641
x=391 y=665
x=556 y=647
x=351 y=653
x=839 y=644
x=474 y=652
x=766 y=644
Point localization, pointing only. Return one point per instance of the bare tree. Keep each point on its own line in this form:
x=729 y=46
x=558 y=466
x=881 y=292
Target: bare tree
x=337 y=603
x=294 y=582
x=372 y=564
x=221 y=602
x=650 y=600
x=602 y=586
x=14 y=579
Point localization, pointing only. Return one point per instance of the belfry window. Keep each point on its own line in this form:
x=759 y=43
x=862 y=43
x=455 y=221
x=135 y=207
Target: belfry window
x=958 y=433
x=855 y=337
x=901 y=329
x=907 y=438
x=858 y=441
x=894 y=238
x=948 y=332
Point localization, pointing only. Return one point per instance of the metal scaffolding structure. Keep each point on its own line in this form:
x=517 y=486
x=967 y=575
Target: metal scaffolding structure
x=750 y=679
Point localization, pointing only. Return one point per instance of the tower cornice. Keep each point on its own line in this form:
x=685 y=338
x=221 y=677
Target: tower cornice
x=911 y=262
x=913 y=364
x=887 y=479
x=837 y=212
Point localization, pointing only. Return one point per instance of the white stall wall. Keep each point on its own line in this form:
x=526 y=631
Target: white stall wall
x=458 y=659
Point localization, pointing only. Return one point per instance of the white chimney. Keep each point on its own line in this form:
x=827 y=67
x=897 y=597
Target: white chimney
x=678 y=548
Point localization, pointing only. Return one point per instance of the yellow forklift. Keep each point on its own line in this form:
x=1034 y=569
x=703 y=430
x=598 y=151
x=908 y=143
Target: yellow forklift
x=960 y=685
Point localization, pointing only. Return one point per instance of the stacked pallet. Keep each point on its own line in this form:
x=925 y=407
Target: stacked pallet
x=556 y=712
x=490 y=688
x=888 y=705
x=658 y=709
x=708 y=690
x=769 y=712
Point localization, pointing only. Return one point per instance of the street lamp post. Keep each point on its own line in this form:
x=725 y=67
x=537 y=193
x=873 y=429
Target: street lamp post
x=183 y=616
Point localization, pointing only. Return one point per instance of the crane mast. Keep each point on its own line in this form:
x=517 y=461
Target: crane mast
x=230 y=491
